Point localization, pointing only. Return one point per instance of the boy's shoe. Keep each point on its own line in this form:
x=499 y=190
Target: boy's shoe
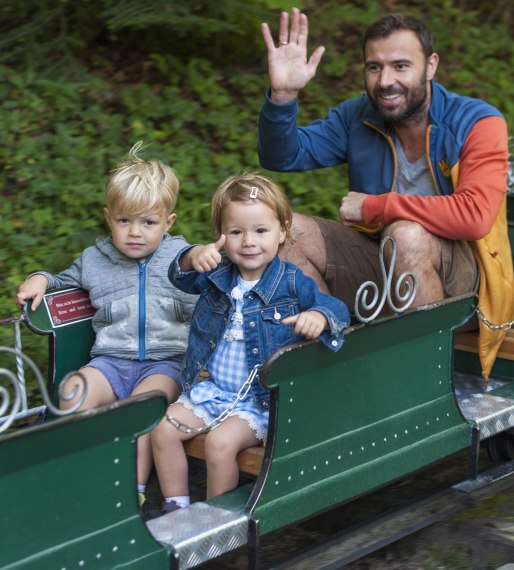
x=169 y=507
x=145 y=508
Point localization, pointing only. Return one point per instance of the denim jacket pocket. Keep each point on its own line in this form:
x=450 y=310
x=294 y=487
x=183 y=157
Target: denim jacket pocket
x=208 y=309
x=276 y=333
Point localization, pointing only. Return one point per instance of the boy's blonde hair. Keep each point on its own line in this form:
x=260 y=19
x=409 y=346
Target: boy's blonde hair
x=138 y=186
x=241 y=188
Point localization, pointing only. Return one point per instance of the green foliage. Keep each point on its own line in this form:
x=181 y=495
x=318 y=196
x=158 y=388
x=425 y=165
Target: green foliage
x=82 y=81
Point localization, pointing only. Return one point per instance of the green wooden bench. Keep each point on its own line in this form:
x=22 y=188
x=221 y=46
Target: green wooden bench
x=65 y=317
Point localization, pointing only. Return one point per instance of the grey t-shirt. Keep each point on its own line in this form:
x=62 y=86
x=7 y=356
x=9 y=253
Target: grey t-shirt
x=412 y=178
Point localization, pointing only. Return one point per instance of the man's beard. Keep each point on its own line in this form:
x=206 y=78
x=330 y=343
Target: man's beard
x=412 y=113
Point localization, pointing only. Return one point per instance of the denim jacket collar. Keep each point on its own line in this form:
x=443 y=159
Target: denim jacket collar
x=225 y=279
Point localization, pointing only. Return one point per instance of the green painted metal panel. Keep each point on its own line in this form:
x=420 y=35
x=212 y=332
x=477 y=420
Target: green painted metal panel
x=348 y=422
x=69 y=345
x=72 y=481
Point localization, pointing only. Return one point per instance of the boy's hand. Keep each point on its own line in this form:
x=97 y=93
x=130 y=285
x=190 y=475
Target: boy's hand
x=33 y=288
x=310 y=324
x=203 y=258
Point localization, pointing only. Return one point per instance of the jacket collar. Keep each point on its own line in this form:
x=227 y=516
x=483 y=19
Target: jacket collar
x=225 y=278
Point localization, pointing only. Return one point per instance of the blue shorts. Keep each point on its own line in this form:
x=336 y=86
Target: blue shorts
x=125 y=375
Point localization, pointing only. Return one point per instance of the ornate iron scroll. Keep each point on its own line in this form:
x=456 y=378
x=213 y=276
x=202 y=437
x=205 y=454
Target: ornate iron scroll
x=12 y=409
x=407 y=280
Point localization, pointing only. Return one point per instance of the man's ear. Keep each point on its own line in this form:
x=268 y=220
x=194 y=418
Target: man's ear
x=432 y=63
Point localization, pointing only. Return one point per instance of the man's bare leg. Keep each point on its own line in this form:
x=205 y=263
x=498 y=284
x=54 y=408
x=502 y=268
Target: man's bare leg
x=307 y=250
x=417 y=252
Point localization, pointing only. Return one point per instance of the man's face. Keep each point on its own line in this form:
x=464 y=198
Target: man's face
x=397 y=77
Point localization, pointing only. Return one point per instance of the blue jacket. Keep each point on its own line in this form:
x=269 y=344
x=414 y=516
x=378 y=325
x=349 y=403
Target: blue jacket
x=354 y=132
x=282 y=291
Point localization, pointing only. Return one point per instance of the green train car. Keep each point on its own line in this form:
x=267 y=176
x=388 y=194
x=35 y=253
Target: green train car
x=404 y=392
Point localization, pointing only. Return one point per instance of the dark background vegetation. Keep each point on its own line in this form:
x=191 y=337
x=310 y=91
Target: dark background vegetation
x=82 y=80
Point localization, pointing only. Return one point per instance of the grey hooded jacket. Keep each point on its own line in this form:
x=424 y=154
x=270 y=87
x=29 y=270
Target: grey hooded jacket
x=139 y=315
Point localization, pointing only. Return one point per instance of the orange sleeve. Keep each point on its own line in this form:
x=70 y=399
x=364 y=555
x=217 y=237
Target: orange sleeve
x=469 y=213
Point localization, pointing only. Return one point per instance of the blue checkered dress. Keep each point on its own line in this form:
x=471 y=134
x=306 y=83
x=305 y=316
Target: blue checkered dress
x=228 y=371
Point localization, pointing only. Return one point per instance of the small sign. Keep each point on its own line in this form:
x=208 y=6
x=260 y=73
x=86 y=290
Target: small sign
x=70 y=306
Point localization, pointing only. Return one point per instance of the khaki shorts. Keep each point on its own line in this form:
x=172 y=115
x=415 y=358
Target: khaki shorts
x=353 y=258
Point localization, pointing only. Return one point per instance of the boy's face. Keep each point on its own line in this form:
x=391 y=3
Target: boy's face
x=138 y=236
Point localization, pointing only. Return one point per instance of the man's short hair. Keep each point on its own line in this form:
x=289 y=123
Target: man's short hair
x=385 y=26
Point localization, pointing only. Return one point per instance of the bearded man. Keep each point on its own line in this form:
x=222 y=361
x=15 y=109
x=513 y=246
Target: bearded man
x=426 y=166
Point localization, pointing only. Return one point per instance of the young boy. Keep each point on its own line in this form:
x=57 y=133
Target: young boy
x=141 y=320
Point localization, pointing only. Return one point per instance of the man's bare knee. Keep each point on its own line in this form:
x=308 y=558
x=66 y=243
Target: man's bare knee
x=417 y=252
x=413 y=243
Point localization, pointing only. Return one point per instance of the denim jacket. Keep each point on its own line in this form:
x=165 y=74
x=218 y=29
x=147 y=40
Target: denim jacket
x=282 y=291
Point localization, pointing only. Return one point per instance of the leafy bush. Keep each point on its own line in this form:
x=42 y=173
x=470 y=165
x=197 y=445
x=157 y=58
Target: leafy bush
x=81 y=82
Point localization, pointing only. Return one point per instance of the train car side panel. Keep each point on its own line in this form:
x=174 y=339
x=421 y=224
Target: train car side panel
x=71 y=481
x=348 y=422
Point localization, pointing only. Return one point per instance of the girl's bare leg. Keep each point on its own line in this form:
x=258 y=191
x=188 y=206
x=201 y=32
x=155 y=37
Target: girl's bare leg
x=144 y=449
x=168 y=451
x=221 y=448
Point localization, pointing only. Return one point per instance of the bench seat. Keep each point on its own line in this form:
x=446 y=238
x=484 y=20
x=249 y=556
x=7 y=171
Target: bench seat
x=468 y=342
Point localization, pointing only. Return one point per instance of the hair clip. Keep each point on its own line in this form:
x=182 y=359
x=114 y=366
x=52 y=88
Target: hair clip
x=253 y=193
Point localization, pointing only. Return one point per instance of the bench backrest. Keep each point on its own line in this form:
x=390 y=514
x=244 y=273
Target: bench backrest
x=65 y=316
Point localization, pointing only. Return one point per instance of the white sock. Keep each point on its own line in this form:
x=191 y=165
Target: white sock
x=182 y=501
x=141 y=488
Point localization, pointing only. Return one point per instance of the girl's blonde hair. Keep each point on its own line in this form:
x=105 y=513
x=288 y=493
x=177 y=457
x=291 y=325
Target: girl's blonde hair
x=141 y=187
x=241 y=188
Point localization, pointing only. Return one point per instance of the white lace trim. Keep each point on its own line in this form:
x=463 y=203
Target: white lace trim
x=236 y=331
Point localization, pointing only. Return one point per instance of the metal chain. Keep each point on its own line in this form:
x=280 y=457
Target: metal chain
x=243 y=391
x=504 y=327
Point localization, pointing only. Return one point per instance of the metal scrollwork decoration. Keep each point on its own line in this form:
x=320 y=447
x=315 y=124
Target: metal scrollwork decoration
x=405 y=299
x=13 y=409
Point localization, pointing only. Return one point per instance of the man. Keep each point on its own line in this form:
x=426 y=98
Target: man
x=426 y=166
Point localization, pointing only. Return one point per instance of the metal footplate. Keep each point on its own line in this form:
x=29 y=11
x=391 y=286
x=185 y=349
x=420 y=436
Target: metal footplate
x=200 y=532
x=490 y=408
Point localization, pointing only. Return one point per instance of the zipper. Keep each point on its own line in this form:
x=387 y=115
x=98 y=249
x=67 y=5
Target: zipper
x=142 y=307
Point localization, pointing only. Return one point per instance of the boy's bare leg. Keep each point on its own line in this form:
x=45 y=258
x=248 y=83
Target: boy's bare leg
x=144 y=450
x=99 y=391
x=169 y=454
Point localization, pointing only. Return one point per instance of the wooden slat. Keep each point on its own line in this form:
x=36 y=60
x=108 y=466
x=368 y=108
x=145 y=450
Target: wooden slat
x=249 y=460
x=468 y=342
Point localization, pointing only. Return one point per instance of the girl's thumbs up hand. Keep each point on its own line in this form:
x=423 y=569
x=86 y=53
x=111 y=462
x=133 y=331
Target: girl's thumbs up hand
x=206 y=257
